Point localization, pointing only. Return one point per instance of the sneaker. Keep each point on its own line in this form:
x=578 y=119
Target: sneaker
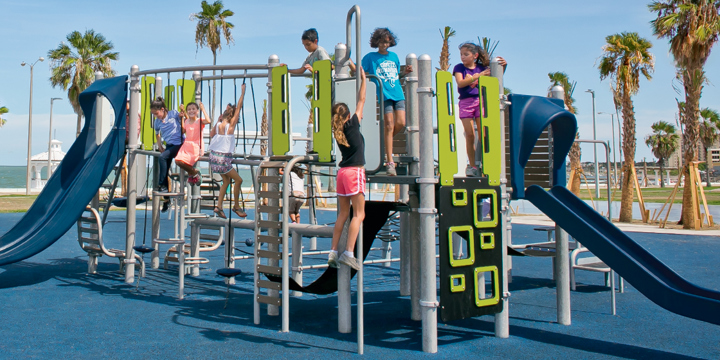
x=191 y=180
x=332 y=259
x=391 y=169
x=165 y=206
x=349 y=261
x=472 y=171
x=198 y=179
x=162 y=189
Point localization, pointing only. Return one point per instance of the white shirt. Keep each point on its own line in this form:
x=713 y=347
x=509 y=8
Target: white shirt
x=297 y=184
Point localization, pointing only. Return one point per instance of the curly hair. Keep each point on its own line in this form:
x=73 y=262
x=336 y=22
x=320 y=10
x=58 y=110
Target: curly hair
x=380 y=34
x=340 y=114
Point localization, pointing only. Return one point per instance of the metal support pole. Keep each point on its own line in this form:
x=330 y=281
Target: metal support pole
x=502 y=319
x=195 y=189
x=132 y=177
x=297 y=253
x=409 y=221
x=272 y=310
x=597 y=174
x=49 y=165
x=344 y=295
x=28 y=177
x=427 y=211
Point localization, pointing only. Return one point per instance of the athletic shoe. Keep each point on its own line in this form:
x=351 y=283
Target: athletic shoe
x=391 y=169
x=198 y=178
x=165 y=206
x=349 y=261
x=191 y=180
x=332 y=259
x=472 y=171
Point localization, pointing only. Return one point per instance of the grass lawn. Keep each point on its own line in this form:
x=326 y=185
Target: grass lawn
x=16 y=203
x=657 y=195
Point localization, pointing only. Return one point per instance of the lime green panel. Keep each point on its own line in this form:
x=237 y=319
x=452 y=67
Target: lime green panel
x=459 y=287
x=493 y=211
x=496 y=287
x=170 y=97
x=487 y=241
x=280 y=119
x=471 y=246
x=447 y=145
x=459 y=197
x=491 y=129
x=322 y=108
x=186 y=93
x=147 y=94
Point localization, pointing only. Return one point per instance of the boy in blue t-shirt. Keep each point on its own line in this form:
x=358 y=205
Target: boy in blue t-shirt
x=385 y=65
x=317 y=52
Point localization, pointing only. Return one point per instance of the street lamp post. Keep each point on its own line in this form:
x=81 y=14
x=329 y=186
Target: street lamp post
x=612 y=124
x=49 y=167
x=597 y=173
x=29 y=154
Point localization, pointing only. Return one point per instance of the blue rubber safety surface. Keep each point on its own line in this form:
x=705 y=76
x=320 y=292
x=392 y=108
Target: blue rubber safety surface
x=51 y=308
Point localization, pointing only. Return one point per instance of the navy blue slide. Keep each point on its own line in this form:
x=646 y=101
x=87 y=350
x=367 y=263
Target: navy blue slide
x=645 y=272
x=76 y=180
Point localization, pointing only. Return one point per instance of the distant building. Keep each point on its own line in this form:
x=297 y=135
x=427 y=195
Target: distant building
x=40 y=161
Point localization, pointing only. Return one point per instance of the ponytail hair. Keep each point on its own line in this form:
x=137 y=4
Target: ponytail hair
x=158 y=104
x=340 y=114
x=482 y=56
x=229 y=112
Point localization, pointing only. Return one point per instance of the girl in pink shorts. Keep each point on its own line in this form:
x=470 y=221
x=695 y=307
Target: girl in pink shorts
x=475 y=63
x=350 y=177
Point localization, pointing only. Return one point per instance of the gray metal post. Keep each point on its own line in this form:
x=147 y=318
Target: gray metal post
x=297 y=252
x=612 y=124
x=29 y=154
x=342 y=71
x=344 y=295
x=502 y=319
x=155 y=234
x=132 y=177
x=49 y=165
x=98 y=112
x=427 y=211
x=194 y=195
x=597 y=174
x=272 y=310
x=409 y=221
x=562 y=254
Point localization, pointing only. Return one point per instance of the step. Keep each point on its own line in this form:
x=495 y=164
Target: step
x=270 y=209
x=269 y=300
x=270 y=270
x=265 y=284
x=273 y=165
x=169 y=241
x=270 y=179
x=269 y=254
x=270 y=194
x=266 y=239
x=265 y=224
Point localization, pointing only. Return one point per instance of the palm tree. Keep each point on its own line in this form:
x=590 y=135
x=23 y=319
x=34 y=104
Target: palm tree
x=692 y=28
x=74 y=65
x=445 y=52
x=626 y=56
x=709 y=131
x=212 y=27
x=663 y=142
x=3 y=110
x=561 y=78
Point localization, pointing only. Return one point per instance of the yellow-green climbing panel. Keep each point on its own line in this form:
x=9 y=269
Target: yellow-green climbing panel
x=280 y=119
x=147 y=94
x=447 y=145
x=491 y=129
x=321 y=103
x=187 y=91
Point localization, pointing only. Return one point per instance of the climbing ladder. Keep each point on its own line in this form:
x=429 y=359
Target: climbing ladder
x=90 y=237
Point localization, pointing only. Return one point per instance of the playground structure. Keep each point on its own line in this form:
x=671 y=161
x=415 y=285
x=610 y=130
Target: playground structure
x=472 y=213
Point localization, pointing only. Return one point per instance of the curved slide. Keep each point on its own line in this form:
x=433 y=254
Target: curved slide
x=76 y=180
x=645 y=272
x=376 y=214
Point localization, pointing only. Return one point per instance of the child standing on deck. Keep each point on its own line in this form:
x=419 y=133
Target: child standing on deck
x=167 y=127
x=192 y=148
x=475 y=63
x=297 y=192
x=310 y=42
x=386 y=66
x=350 y=177
x=221 y=148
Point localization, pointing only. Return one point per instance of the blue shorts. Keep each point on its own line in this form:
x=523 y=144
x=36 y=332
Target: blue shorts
x=392 y=105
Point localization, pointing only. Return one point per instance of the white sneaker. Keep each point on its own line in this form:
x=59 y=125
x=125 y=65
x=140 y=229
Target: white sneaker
x=332 y=259
x=349 y=261
x=472 y=171
x=390 y=168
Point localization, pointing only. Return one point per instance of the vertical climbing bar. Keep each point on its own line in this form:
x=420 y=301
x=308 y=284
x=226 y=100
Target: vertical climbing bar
x=132 y=177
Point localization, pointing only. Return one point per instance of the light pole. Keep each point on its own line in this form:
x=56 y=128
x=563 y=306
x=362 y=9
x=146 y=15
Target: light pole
x=29 y=155
x=597 y=174
x=49 y=171
x=612 y=124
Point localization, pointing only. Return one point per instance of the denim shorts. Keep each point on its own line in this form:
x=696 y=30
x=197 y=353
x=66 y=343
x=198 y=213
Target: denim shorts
x=392 y=105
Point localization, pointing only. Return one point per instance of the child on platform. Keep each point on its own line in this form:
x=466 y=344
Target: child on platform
x=297 y=192
x=310 y=42
x=192 y=148
x=350 y=177
x=386 y=66
x=475 y=63
x=221 y=148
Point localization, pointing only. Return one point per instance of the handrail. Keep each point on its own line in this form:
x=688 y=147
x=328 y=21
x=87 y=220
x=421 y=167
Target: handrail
x=607 y=160
x=203 y=68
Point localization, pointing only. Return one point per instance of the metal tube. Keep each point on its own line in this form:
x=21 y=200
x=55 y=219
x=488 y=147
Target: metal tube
x=607 y=162
x=203 y=68
x=28 y=176
x=344 y=296
x=406 y=243
x=427 y=211
x=237 y=76
x=562 y=276
x=49 y=168
x=413 y=218
x=297 y=254
x=155 y=256
x=132 y=177
x=597 y=174
x=502 y=319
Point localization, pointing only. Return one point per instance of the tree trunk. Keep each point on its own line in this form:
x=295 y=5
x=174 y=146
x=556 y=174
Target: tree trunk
x=575 y=164
x=693 y=78
x=708 y=162
x=661 y=162
x=79 y=126
x=628 y=141
x=212 y=109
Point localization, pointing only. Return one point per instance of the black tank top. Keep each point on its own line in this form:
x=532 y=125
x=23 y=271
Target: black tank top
x=353 y=155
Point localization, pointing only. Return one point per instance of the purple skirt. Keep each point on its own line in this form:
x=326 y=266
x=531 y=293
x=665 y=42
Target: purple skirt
x=220 y=163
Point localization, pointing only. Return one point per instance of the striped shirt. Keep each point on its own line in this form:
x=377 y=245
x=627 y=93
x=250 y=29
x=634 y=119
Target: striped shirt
x=169 y=128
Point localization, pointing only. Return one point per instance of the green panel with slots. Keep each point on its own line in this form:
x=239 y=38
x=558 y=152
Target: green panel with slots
x=491 y=129
x=471 y=245
x=460 y=287
x=321 y=104
x=495 y=285
x=186 y=94
x=487 y=241
x=147 y=94
x=481 y=221
x=447 y=144
x=459 y=197
x=170 y=97
x=280 y=120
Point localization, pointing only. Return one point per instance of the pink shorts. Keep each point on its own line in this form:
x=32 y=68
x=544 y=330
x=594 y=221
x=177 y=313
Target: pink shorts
x=469 y=108
x=350 y=181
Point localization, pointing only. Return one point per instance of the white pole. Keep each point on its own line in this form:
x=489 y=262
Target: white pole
x=49 y=167
x=597 y=174
x=29 y=152
x=272 y=310
x=406 y=222
x=132 y=176
x=562 y=255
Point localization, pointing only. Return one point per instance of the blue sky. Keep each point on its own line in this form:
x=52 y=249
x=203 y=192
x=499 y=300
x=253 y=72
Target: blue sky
x=536 y=37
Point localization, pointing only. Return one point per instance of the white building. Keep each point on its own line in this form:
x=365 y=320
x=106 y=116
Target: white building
x=39 y=161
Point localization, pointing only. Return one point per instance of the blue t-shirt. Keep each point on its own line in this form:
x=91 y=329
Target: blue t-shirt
x=169 y=128
x=387 y=68
x=468 y=91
